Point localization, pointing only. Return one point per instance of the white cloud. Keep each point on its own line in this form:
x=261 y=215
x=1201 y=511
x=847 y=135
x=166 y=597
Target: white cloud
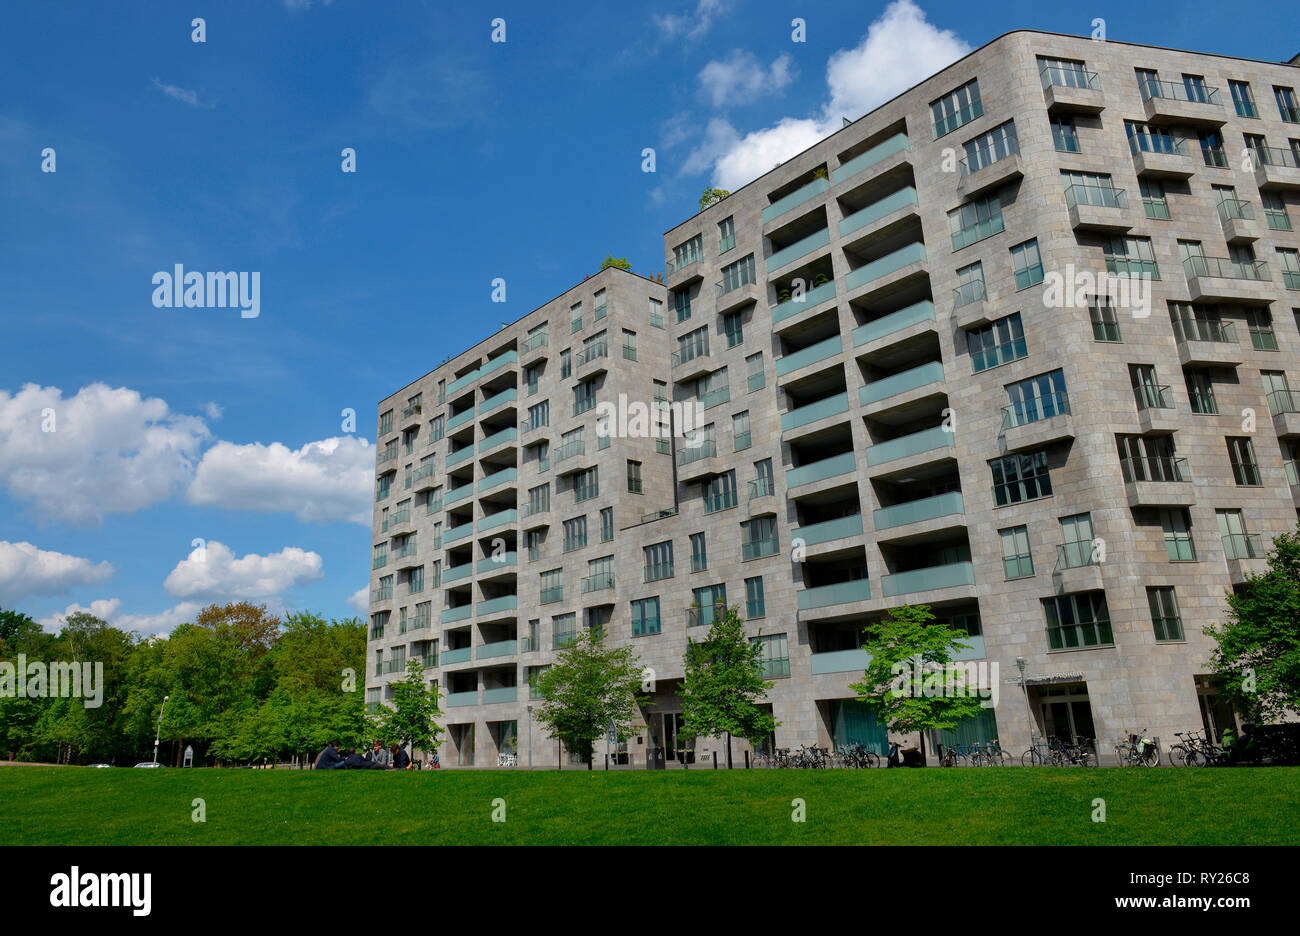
x=214 y=573
x=900 y=49
x=26 y=570
x=740 y=78
x=691 y=26
x=103 y=451
x=177 y=93
x=359 y=600
x=212 y=410
x=103 y=608
x=107 y=609
x=322 y=482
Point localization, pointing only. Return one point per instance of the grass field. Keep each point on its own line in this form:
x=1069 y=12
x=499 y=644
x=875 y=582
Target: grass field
x=1047 y=806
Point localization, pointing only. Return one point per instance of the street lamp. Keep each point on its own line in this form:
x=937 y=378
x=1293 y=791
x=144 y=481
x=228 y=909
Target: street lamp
x=1024 y=687
x=530 y=737
x=158 y=733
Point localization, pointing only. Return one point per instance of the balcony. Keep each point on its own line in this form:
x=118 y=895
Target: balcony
x=1071 y=90
x=994 y=168
x=761 y=487
x=498 y=362
x=601 y=581
x=460 y=455
x=1217 y=279
x=1160 y=156
x=1155 y=406
x=800 y=248
x=840 y=661
x=1208 y=344
x=759 y=549
x=952 y=575
x=450 y=657
x=813 y=472
x=1098 y=208
x=1238 y=546
x=460 y=419
x=1037 y=421
x=730 y=298
x=694 y=461
x=592 y=352
x=411 y=412
x=686 y=271
x=893 y=323
x=457 y=572
x=796 y=198
x=501 y=562
x=499 y=695
x=813 y=354
x=812 y=412
x=458 y=532
x=806 y=302
x=464 y=381
x=534 y=343
x=509 y=395
x=498 y=438
x=692 y=362
x=496 y=607
x=926 y=441
x=423 y=478
x=396 y=518
x=879 y=272
x=814 y=534
x=878 y=210
x=716 y=397
x=970 y=305
x=897 y=143
x=1238 y=220
x=452 y=615
x=456 y=495
x=383 y=593
x=1285 y=407
x=919 y=511
x=462 y=699
x=828 y=596
x=888 y=388
x=1158 y=481
x=505 y=476
x=404 y=556
x=500 y=518
x=1168 y=102
x=1276 y=168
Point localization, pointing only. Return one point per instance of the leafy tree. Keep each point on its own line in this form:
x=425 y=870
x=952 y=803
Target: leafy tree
x=723 y=684
x=908 y=641
x=711 y=196
x=1257 y=657
x=14 y=626
x=612 y=261
x=589 y=686
x=410 y=717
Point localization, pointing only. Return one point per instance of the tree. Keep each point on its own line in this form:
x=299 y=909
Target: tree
x=612 y=261
x=909 y=651
x=723 y=684
x=1257 y=657
x=711 y=196
x=14 y=627
x=411 y=716
x=588 y=687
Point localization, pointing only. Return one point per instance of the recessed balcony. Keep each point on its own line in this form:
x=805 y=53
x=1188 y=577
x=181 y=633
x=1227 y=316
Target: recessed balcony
x=814 y=412
x=825 y=350
x=458 y=655
x=818 y=240
x=463 y=381
x=509 y=395
x=924 y=510
x=453 y=615
x=935 y=443
x=829 y=596
x=898 y=143
x=500 y=695
x=951 y=575
x=1168 y=102
x=462 y=699
x=894 y=207
x=499 y=648
x=1285 y=407
x=456 y=495
x=796 y=198
x=1160 y=156
x=458 y=532
x=1098 y=208
x=457 y=572
x=1217 y=279
x=498 y=519
x=811 y=473
x=990 y=169
x=899 y=389
x=505 y=476
x=828 y=531
x=894 y=323
x=505 y=606
x=460 y=419
x=805 y=302
x=887 y=271
x=504 y=563
x=497 y=439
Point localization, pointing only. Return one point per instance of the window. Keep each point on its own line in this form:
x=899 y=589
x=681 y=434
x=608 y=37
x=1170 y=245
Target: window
x=586 y=485
x=599 y=302
x=656 y=313
x=386 y=422
x=1147 y=391
x=1068 y=73
x=597 y=346
x=575 y=533
x=575 y=314
x=1131 y=256
x=1212 y=148
x=755 y=607
x=1164 y=613
x=415 y=580
x=533 y=543
x=758 y=538
x=975 y=221
x=1076 y=546
x=1275 y=211
x=645 y=617
x=1064 y=134
x=740 y=430
x=1105 y=324
x=634 y=477
x=990 y=147
x=1291 y=461
x=996 y=343
x=776 y=655
x=762 y=483
x=1078 y=620
x=383 y=487
x=1019 y=478
x=1177 y=527
x=699 y=553
x=1194 y=86
x=1278 y=392
x=606 y=524
x=737 y=274
x=629 y=345
x=1286 y=104
x=1150 y=458
x=1242 y=99
x=1017 y=560
x=682 y=304
x=539 y=415
x=539 y=500
x=552 y=586
x=1289 y=260
x=1040 y=397
x=756 y=378
x=726 y=235
x=1258 y=147
x=584 y=397
x=1142 y=138
x=692 y=345
x=564 y=630
x=956 y=108
x=970 y=285
x=733 y=328
x=381 y=556
x=1154 y=202
x=378 y=622
x=1260 y=324
x=720 y=492
x=437 y=428
x=1200 y=389
x=566 y=364
x=600 y=574
x=1028 y=264
x=692 y=251
x=1241 y=453
x=658 y=561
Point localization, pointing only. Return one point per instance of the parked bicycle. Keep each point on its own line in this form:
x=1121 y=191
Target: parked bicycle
x=1138 y=750
x=1043 y=754
x=1192 y=750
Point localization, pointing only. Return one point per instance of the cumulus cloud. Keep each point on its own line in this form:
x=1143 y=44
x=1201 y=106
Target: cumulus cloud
x=691 y=25
x=740 y=78
x=103 y=451
x=321 y=482
x=900 y=49
x=213 y=573
x=103 y=608
x=26 y=570
x=360 y=600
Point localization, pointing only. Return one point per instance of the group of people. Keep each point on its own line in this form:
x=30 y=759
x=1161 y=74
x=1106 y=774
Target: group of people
x=378 y=757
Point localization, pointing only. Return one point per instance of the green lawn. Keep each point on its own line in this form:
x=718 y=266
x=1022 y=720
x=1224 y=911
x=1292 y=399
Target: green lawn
x=1012 y=805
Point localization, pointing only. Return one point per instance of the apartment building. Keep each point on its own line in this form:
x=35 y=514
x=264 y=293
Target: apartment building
x=1018 y=345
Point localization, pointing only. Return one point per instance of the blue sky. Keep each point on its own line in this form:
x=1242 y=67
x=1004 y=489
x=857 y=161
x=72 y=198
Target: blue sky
x=127 y=432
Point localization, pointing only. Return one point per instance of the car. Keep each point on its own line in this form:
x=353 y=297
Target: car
x=148 y=764
x=101 y=765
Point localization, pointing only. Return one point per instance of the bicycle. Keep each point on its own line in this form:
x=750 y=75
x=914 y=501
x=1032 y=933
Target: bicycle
x=1137 y=750
x=1078 y=753
x=1194 y=750
x=1042 y=754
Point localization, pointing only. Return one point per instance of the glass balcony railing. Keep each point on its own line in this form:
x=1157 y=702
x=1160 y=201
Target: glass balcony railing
x=386 y=456
x=1063 y=76
x=687 y=259
x=706 y=448
x=424 y=471
x=925 y=508
x=811 y=412
x=452 y=615
x=460 y=419
x=1075 y=554
x=916 y=443
x=1243 y=546
x=462 y=699
x=455 y=495
x=919 y=376
x=1283 y=401
x=499 y=477
x=601 y=581
x=457 y=572
x=795 y=198
x=715 y=397
x=794 y=304
x=1160 y=468
x=497 y=605
x=800 y=248
x=928 y=579
x=458 y=532
x=705 y=616
x=1033 y=409
x=1096 y=196
x=1235 y=209
x=383 y=593
x=460 y=455
x=865 y=160
x=1276 y=156
x=656 y=571
x=877 y=210
x=883 y=266
x=458 y=655
x=757 y=549
x=508 y=395
x=500 y=518
x=1150 y=396
x=463 y=381
x=570 y=449
x=404 y=552
x=540 y=340
x=812 y=472
x=966 y=293
x=593 y=351
x=501 y=694
x=1208 y=330
x=498 y=438
x=723 y=500
x=497 y=562
x=690 y=353
x=825 y=596
x=1161 y=143
x=984 y=156
x=922 y=311
x=498 y=362
x=1226 y=269
x=828 y=530
x=812 y=354
x=1152 y=88
x=761 y=487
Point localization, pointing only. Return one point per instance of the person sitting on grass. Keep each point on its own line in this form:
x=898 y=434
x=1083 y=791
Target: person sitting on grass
x=356 y=760
x=401 y=760
x=380 y=759
x=330 y=758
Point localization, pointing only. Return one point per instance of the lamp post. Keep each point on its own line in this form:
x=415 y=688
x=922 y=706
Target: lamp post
x=530 y=737
x=1029 y=711
x=158 y=733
